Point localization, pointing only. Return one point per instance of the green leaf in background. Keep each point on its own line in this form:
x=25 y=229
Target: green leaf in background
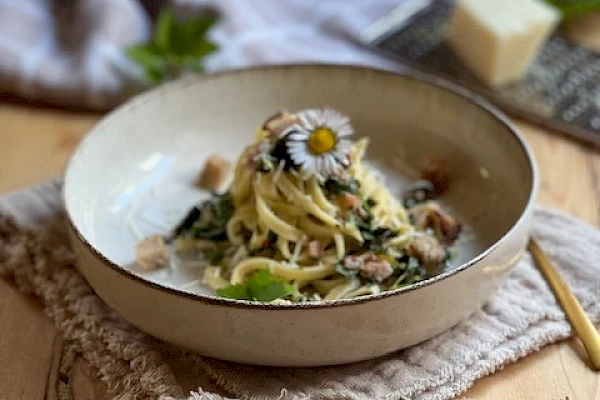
x=260 y=287
x=163 y=30
x=146 y=56
x=176 y=47
x=574 y=8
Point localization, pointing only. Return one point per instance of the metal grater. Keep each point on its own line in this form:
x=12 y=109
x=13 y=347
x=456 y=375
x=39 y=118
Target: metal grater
x=561 y=89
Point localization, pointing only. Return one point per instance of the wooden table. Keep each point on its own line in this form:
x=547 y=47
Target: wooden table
x=35 y=144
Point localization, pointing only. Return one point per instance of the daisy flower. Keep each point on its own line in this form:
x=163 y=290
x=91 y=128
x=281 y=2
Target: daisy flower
x=316 y=145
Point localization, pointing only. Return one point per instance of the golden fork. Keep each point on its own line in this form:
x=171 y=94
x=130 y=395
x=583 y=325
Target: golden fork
x=578 y=319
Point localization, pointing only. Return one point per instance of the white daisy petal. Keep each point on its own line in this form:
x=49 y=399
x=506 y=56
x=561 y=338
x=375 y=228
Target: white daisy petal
x=297 y=159
x=298 y=135
x=319 y=165
x=292 y=129
x=345 y=130
x=307 y=120
x=344 y=146
x=296 y=146
x=330 y=164
x=325 y=164
x=308 y=166
x=313 y=118
x=298 y=154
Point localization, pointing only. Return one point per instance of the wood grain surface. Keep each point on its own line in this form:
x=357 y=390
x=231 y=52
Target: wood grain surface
x=35 y=144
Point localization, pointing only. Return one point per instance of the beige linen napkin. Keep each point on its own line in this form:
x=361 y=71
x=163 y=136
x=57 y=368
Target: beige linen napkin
x=520 y=319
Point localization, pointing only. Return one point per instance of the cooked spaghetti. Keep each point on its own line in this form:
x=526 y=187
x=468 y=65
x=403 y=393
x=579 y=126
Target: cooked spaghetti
x=306 y=220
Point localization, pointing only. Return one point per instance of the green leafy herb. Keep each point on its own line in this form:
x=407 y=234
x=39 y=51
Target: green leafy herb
x=261 y=287
x=574 y=8
x=208 y=221
x=238 y=292
x=369 y=204
x=374 y=237
x=337 y=186
x=410 y=273
x=175 y=47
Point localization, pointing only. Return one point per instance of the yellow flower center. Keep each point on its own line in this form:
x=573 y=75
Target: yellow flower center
x=321 y=140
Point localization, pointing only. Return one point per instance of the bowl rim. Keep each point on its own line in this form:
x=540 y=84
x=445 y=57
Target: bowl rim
x=422 y=77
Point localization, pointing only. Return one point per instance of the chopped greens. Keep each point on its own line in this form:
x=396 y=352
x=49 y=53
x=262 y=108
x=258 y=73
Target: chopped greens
x=336 y=186
x=209 y=219
x=261 y=287
x=407 y=269
x=175 y=47
x=369 y=204
x=410 y=272
x=373 y=236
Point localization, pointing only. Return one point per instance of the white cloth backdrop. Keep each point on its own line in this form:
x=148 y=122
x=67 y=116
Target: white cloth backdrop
x=71 y=51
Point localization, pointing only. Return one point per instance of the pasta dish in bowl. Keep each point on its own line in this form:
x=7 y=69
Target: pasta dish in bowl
x=376 y=212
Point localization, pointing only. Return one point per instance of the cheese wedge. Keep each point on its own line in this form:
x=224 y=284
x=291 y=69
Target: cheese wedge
x=498 y=39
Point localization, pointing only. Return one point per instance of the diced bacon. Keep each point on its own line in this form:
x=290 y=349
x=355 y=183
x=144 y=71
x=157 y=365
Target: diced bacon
x=214 y=173
x=428 y=250
x=152 y=253
x=378 y=270
x=279 y=122
x=374 y=267
x=430 y=215
x=354 y=262
x=350 y=200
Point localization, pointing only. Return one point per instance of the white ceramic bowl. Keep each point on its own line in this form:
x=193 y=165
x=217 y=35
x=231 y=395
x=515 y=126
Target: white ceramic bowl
x=132 y=176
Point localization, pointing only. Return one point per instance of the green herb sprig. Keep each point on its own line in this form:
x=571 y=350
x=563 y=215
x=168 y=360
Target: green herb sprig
x=209 y=219
x=175 y=47
x=575 y=8
x=336 y=186
x=261 y=287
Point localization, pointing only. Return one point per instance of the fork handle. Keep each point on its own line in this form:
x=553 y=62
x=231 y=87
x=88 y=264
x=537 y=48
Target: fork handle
x=577 y=317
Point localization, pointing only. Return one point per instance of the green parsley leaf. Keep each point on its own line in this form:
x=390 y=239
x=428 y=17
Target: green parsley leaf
x=175 y=47
x=271 y=291
x=238 y=292
x=259 y=279
x=260 y=287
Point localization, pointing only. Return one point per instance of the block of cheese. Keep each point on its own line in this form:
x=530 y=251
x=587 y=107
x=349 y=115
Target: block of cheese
x=498 y=39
